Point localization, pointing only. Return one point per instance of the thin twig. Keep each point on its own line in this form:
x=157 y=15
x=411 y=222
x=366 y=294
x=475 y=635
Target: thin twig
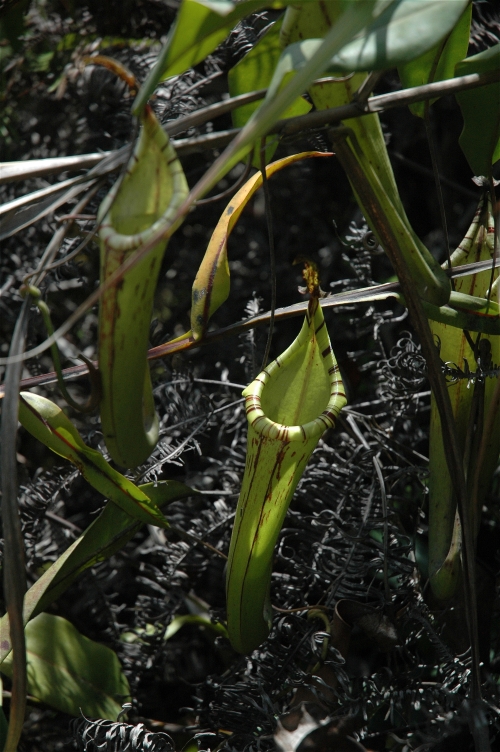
x=64 y=522
x=363 y=92
x=437 y=182
x=262 y=319
x=383 y=102
x=198 y=85
x=53 y=247
x=272 y=254
x=426 y=171
x=33 y=168
x=395 y=100
x=195 y=539
x=232 y=188
x=380 y=103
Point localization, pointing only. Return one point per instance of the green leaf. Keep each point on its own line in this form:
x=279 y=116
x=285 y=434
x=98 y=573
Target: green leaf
x=480 y=137
x=71 y=673
x=255 y=71
x=41 y=63
x=47 y=422
x=438 y=64
x=311 y=21
x=198 y=29
x=112 y=529
x=356 y=16
x=403 y=32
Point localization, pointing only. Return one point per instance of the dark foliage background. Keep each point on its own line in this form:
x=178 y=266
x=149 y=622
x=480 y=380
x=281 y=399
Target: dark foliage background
x=348 y=535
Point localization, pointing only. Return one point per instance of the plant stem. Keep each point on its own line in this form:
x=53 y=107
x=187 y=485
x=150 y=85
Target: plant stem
x=272 y=254
x=454 y=459
x=14 y=565
x=287 y=127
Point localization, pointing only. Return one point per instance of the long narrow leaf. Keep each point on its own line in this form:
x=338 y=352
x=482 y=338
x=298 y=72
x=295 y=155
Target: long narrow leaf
x=14 y=577
x=109 y=532
x=31 y=168
x=25 y=210
x=47 y=422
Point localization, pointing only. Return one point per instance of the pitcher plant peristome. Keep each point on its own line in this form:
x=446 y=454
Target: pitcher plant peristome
x=289 y=406
x=137 y=207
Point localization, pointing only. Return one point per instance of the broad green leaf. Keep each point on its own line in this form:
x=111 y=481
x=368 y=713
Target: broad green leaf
x=402 y=32
x=143 y=202
x=212 y=283
x=109 y=532
x=255 y=71
x=438 y=64
x=47 y=422
x=71 y=673
x=480 y=138
x=406 y=30
x=289 y=406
